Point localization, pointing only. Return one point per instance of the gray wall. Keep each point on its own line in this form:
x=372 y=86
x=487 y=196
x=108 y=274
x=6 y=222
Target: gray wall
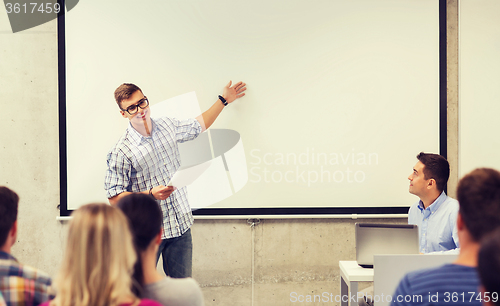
x=235 y=264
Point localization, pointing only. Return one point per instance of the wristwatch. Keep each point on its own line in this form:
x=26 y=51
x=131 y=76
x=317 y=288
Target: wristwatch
x=223 y=100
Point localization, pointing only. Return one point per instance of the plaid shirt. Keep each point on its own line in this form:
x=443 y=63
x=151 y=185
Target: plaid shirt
x=22 y=285
x=137 y=163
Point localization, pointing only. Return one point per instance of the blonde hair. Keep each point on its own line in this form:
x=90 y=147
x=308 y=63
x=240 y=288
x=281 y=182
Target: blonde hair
x=97 y=267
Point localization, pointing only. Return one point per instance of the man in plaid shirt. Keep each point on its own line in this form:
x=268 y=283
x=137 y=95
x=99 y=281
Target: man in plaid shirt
x=19 y=284
x=145 y=159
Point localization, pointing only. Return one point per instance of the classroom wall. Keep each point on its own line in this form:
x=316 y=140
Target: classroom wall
x=234 y=262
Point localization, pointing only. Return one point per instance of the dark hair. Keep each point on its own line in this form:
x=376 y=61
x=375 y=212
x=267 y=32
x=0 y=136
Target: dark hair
x=145 y=220
x=8 y=212
x=488 y=264
x=478 y=195
x=436 y=167
x=124 y=91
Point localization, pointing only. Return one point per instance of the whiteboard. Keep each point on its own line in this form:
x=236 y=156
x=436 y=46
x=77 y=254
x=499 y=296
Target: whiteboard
x=479 y=94
x=342 y=95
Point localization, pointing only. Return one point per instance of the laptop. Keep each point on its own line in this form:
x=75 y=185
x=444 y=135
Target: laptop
x=379 y=238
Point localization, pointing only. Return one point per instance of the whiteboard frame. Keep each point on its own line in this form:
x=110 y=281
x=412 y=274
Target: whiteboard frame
x=307 y=212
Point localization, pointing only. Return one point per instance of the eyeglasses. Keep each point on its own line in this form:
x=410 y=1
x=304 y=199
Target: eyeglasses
x=134 y=108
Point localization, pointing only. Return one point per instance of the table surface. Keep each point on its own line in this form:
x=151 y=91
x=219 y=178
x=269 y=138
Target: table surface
x=352 y=272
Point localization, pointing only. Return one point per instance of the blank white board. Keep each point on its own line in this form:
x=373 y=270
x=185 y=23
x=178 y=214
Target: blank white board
x=342 y=95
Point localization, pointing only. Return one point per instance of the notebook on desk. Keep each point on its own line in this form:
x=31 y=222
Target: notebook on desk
x=378 y=238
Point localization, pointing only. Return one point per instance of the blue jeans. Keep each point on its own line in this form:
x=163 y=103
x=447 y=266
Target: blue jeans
x=177 y=255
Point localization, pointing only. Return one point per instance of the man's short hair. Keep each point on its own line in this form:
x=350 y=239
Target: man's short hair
x=8 y=212
x=436 y=167
x=124 y=91
x=488 y=265
x=478 y=195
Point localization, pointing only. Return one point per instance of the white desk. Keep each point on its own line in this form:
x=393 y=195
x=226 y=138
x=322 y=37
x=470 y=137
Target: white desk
x=350 y=274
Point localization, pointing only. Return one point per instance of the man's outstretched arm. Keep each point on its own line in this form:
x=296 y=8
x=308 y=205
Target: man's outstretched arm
x=230 y=93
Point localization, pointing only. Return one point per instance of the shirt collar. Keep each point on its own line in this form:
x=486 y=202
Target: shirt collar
x=435 y=205
x=4 y=255
x=135 y=136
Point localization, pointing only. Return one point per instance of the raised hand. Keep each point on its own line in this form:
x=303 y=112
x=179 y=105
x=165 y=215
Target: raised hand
x=231 y=93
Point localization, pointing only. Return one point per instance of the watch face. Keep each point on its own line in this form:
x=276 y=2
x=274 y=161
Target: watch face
x=223 y=100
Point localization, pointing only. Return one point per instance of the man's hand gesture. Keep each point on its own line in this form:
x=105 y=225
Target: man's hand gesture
x=231 y=93
x=162 y=192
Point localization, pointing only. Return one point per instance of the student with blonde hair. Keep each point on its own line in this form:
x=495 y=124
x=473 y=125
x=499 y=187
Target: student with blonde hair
x=97 y=266
x=145 y=220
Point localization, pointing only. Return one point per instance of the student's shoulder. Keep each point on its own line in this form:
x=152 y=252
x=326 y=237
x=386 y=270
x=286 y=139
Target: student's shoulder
x=451 y=202
x=423 y=273
x=414 y=207
x=441 y=276
x=15 y=269
x=449 y=208
x=187 y=282
x=37 y=275
x=174 y=284
x=178 y=291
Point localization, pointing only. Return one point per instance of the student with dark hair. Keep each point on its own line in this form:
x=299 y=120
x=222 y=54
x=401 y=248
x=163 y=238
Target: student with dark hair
x=145 y=221
x=479 y=215
x=435 y=213
x=19 y=284
x=488 y=266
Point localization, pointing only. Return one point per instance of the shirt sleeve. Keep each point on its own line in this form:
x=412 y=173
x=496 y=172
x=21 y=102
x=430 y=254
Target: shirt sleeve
x=452 y=228
x=412 y=215
x=42 y=292
x=186 y=130
x=117 y=177
x=453 y=225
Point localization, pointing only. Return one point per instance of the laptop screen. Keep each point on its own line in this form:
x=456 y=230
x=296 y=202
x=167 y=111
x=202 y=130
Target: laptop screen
x=378 y=238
